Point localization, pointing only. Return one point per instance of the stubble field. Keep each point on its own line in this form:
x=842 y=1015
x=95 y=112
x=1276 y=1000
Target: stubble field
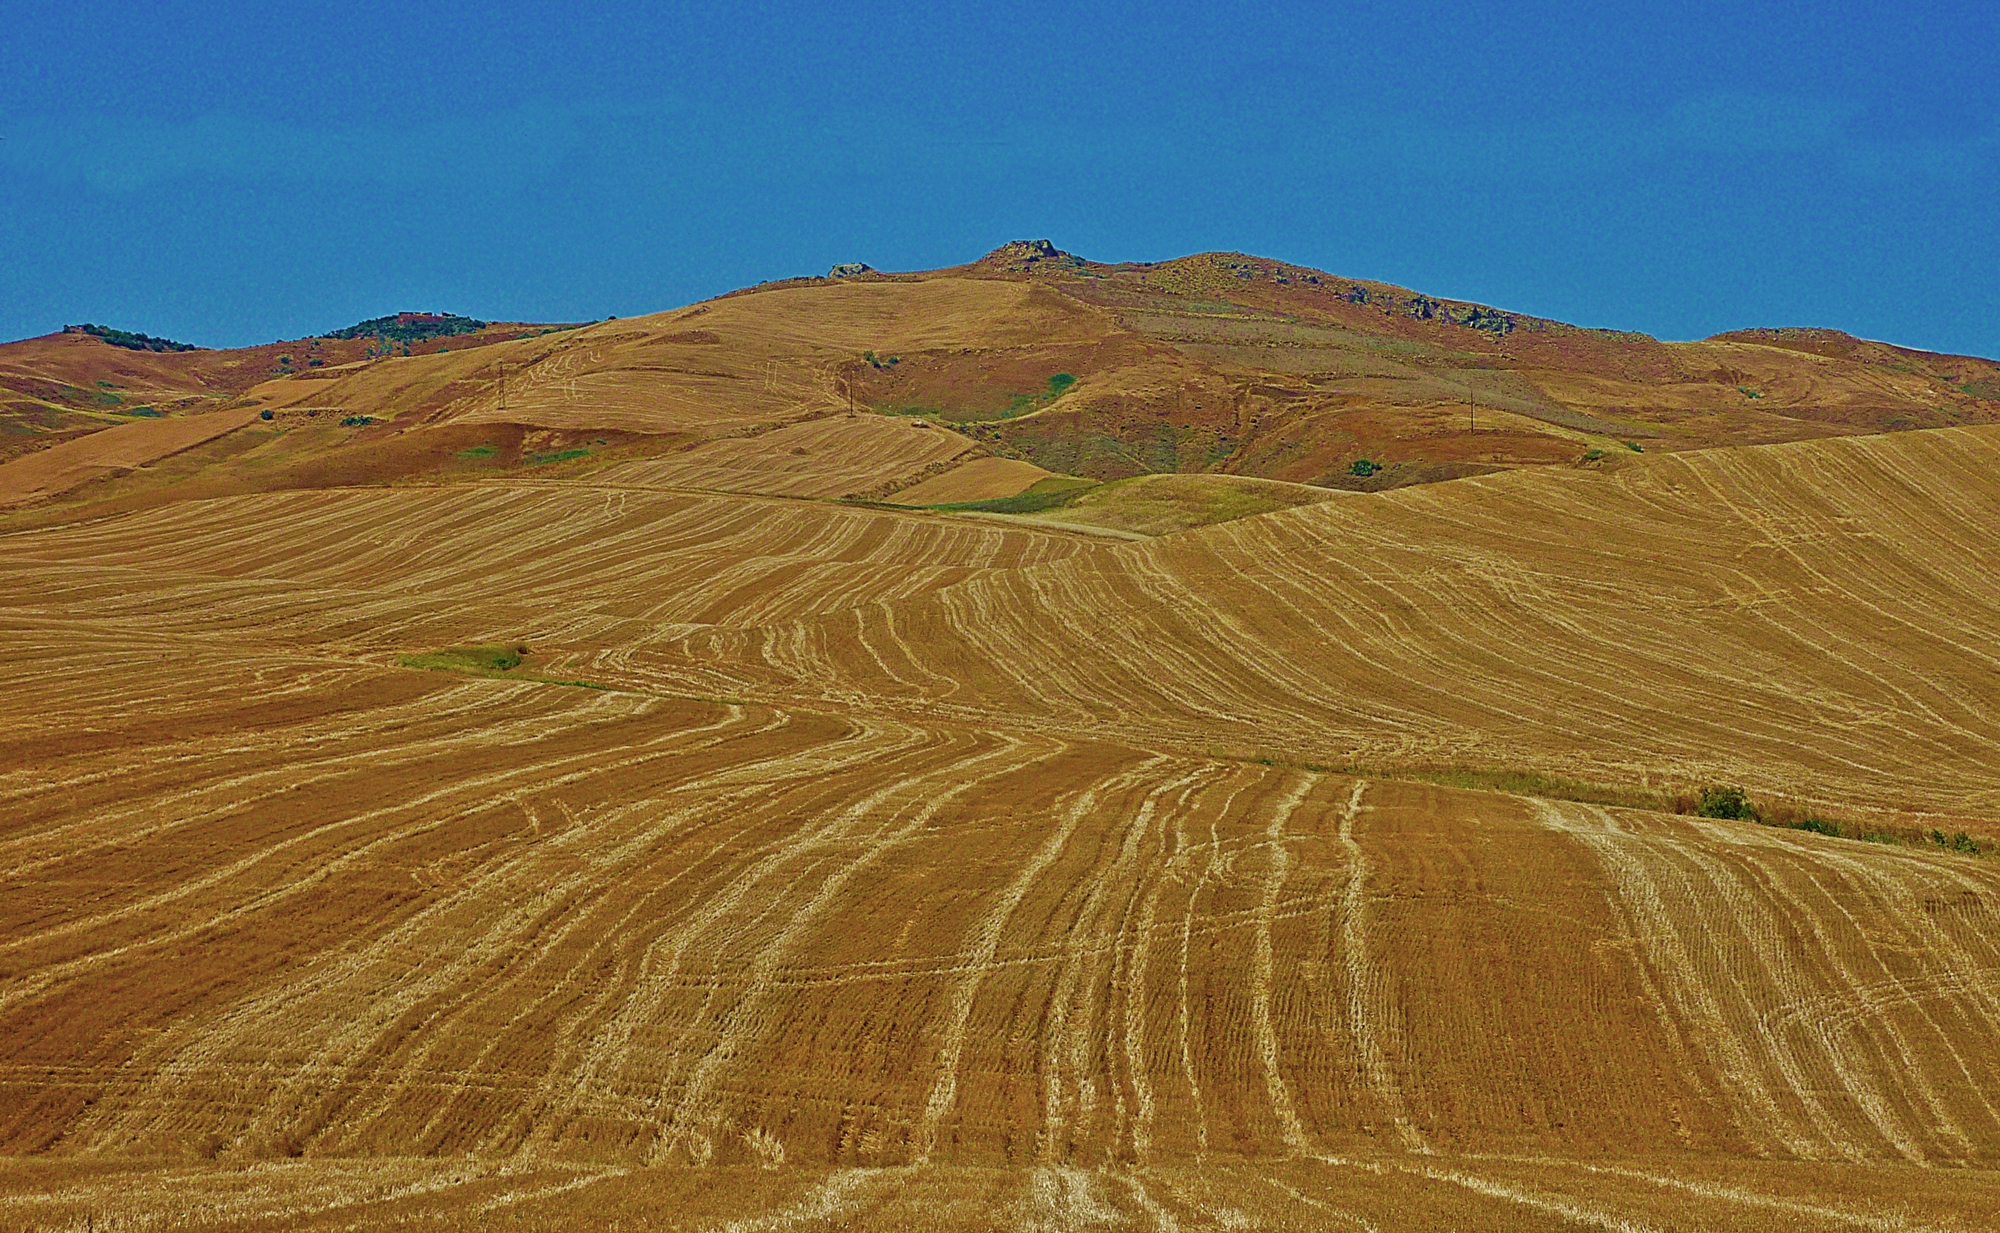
x=831 y=866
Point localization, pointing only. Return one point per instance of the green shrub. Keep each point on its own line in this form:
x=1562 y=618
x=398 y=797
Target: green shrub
x=410 y=327
x=1364 y=468
x=129 y=340
x=1635 y=447
x=1718 y=801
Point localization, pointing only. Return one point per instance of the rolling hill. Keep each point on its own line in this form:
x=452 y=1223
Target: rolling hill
x=1216 y=363
x=66 y=385
x=712 y=783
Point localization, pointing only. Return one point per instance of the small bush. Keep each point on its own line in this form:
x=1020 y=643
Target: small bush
x=1364 y=468
x=1959 y=841
x=1718 y=801
x=1635 y=447
x=264 y=414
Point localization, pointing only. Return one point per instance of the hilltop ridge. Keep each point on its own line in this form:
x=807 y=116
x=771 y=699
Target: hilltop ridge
x=1221 y=363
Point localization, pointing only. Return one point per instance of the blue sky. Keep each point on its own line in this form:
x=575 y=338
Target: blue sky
x=230 y=175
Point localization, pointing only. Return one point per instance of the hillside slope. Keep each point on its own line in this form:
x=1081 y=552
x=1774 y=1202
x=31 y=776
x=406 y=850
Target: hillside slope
x=836 y=865
x=1212 y=363
x=556 y=784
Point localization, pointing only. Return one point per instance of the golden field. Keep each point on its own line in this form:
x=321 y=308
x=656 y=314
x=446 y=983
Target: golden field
x=682 y=834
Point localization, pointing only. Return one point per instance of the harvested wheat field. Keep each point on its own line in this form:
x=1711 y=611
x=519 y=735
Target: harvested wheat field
x=692 y=840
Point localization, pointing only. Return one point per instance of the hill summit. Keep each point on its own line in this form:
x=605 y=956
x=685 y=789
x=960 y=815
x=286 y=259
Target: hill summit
x=409 y=327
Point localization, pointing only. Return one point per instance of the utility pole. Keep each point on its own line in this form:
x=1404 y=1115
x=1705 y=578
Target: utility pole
x=1471 y=423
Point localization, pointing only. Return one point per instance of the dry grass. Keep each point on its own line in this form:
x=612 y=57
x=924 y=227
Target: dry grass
x=1165 y=504
x=65 y=465
x=982 y=479
x=912 y=871
x=837 y=456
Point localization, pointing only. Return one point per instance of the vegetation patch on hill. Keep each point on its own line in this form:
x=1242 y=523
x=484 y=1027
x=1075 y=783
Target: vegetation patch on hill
x=1016 y=406
x=1051 y=493
x=128 y=339
x=487 y=657
x=493 y=659
x=411 y=327
x=1165 y=504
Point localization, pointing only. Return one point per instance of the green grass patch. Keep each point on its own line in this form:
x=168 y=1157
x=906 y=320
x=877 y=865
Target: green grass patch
x=542 y=460
x=488 y=657
x=1061 y=483
x=1043 y=496
x=477 y=451
x=145 y=413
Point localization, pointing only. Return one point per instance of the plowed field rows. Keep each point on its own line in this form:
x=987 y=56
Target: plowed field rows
x=1815 y=619
x=837 y=867
x=834 y=457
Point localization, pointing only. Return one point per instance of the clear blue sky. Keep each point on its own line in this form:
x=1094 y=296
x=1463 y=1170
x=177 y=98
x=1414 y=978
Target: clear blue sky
x=232 y=175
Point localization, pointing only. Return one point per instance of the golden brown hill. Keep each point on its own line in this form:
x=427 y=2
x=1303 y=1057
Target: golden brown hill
x=823 y=866
x=1215 y=363
x=71 y=384
x=510 y=787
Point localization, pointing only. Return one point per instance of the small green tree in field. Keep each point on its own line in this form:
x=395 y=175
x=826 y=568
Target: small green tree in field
x=1718 y=801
